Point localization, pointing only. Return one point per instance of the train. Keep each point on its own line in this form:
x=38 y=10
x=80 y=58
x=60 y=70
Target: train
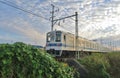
x=62 y=44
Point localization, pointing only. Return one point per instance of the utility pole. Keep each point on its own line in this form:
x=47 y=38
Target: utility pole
x=52 y=16
x=76 y=35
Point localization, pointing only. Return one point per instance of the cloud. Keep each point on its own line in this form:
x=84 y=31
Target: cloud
x=95 y=18
x=18 y=2
x=26 y=29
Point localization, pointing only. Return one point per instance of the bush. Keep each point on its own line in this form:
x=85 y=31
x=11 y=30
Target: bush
x=19 y=60
x=114 y=61
x=97 y=66
x=102 y=65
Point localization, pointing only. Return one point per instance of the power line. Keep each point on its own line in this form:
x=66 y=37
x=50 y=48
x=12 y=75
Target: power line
x=67 y=14
x=22 y=9
x=54 y=21
x=65 y=29
x=31 y=6
x=63 y=10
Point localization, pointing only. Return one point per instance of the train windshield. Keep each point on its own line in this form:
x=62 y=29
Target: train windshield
x=58 y=36
x=50 y=37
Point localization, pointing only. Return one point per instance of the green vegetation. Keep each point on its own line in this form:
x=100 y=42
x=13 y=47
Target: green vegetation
x=19 y=60
x=114 y=61
x=102 y=65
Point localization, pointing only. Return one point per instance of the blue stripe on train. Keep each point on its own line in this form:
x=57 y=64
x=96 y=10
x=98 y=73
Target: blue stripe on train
x=64 y=45
x=54 y=44
x=59 y=44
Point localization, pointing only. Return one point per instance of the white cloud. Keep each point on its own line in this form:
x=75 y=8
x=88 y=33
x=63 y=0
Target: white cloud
x=28 y=30
x=25 y=28
x=18 y=2
x=95 y=16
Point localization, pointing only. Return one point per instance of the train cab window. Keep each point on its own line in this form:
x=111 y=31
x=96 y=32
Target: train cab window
x=58 y=36
x=50 y=37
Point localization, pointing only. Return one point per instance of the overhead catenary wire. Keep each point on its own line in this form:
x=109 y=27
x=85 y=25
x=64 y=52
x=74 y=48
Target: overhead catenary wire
x=27 y=11
x=33 y=6
x=65 y=28
x=63 y=20
x=63 y=10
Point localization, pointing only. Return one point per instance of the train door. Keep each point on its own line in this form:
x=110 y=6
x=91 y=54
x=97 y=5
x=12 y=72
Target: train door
x=64 y=38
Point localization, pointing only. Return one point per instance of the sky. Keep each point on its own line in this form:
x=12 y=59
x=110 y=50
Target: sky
x=96 y=19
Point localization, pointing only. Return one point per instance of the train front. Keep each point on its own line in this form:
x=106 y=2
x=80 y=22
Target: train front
x=54 y=43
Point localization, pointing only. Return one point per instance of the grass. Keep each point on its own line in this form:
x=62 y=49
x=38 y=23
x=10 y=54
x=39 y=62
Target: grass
x=102 y=65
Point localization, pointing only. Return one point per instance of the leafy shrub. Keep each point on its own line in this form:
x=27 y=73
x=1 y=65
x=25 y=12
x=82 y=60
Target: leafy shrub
x=114 y=61
x=97 y=66
x=19 y=60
